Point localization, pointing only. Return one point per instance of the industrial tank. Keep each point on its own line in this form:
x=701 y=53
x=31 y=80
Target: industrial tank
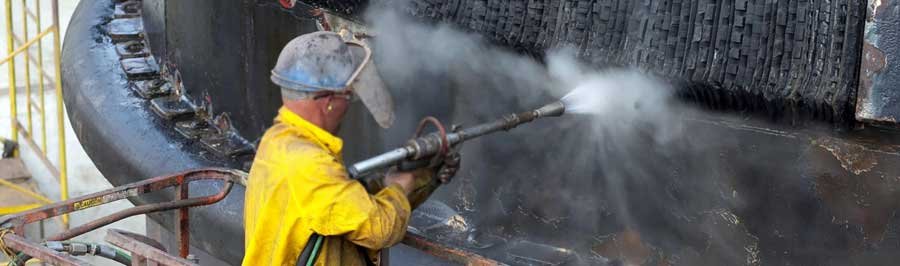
x=786 y=154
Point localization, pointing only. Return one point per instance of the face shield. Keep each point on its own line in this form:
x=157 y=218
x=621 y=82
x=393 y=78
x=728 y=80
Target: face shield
x=368 y=86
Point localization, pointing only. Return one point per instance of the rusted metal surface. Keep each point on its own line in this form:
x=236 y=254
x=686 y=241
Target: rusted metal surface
x=320 y=18
x=40 y=252
x=853 y=157
x=878 y=95
x=184 y=223
x=857 y=182
x=329 y=21
x=143 y=209
x=446 y=252
x=18 y=221
x=144 y=249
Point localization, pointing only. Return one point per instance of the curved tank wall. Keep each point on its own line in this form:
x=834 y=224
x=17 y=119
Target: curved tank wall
x=754 y=193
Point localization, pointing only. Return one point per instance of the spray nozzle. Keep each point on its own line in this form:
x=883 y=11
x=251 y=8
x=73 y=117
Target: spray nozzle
x=557 y=108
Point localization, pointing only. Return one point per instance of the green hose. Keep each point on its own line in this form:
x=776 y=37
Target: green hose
x=315 y=251
x=119 y=255
x=19 y=257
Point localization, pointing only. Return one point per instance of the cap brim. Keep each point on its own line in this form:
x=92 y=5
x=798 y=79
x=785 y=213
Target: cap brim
x=372 y=91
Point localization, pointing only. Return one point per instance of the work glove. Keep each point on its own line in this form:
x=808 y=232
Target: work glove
x=425 y=182
x=448 y=167
x=429 y=174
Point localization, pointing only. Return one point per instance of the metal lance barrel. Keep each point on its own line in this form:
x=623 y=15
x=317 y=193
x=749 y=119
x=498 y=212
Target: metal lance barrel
x=429 y=145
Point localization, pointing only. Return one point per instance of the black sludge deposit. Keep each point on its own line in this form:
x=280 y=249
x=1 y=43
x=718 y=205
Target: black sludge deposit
x=790 y=61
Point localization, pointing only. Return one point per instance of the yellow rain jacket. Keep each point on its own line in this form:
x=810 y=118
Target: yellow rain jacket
x=298 y=185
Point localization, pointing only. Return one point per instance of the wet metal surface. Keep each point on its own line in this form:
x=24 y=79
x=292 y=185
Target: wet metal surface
x=173 y=108
x=858 y=183
x=530 y=253
x=878 y=97
x=98 y=87
x=228 y=144
x=140 y=68
x=128 y=9
x=154 y=88
x=123 y=29
x=194 y=129
x=132 y=49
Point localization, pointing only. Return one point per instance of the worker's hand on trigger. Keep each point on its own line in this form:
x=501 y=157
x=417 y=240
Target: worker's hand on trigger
x=448 y=168
x=406 y=180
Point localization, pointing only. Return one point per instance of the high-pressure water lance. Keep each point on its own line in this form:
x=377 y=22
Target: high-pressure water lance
x=430 y=145
x=433 y=144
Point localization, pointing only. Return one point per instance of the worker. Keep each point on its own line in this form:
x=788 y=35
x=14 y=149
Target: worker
x=298 y=185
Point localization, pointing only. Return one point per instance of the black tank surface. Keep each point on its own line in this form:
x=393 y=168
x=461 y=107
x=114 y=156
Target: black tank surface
x=789 y=60
x=779 y=174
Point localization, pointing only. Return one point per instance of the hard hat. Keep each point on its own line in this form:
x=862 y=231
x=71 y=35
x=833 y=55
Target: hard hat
x=326 y=61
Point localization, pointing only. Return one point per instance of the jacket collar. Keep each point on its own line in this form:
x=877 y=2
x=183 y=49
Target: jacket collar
x=310 y=131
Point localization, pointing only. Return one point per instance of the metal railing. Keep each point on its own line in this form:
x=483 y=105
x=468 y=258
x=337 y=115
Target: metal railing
x=21 y=47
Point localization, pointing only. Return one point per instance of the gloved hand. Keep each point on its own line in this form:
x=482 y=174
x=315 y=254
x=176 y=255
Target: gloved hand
x=427 y=174
x=448 y=167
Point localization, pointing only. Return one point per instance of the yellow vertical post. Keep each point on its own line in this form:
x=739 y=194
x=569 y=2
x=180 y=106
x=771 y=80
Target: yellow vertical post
x=60 y=113
x=12 y=71
x=27 y=69
x=40 y=59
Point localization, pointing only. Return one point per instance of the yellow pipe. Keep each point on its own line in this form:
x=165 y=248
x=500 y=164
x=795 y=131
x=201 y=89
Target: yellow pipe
x=60 y=114
x=12 y=54
x=33 y=59
x=31 y=14
x=4 y=210
x=34 y=105
x=29 y=262
x=26 y=191
x=12 y=71
x=40 y=63
x=27 y=70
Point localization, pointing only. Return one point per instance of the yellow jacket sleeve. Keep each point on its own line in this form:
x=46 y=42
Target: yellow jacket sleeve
x=336 y=205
